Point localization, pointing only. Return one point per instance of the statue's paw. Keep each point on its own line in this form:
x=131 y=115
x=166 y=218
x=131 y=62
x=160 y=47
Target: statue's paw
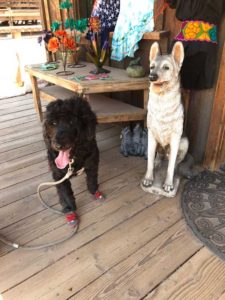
x=146 y=182
x=168 y=187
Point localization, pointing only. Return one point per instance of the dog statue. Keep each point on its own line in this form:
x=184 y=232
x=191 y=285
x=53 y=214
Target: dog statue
x=69 y=130
x=165 y=113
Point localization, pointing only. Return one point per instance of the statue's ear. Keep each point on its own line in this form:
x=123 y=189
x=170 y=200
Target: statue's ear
x=178 y=53
x=154 y=51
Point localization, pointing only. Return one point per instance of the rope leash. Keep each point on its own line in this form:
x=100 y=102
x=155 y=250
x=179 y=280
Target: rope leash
x=16 y=245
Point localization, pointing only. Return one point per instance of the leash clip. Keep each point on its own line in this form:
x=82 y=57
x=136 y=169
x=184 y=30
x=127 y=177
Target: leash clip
x=70 y=169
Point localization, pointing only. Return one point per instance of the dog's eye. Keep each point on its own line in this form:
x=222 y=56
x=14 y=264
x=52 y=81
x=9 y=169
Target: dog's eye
x=53 y=123
x=166 y=68
x=152 y=67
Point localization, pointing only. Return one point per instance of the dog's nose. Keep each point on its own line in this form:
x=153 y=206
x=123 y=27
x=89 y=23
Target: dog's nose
x=153 y=77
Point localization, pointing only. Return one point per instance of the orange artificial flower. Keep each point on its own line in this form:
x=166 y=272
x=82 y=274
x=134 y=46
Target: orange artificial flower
x=69 y=44
x=60 y=33
x=94 y=23
x=53 y=44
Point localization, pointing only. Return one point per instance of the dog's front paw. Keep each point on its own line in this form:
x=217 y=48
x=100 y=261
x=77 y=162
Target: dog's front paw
x=99 y=196
x=147 y=182
x=168 y=187
x=72 y=218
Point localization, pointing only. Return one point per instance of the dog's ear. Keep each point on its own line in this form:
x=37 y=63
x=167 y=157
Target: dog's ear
x=154 y=51
x=178 y=53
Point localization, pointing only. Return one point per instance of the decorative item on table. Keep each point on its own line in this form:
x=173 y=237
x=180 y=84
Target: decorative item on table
x=64 y=44
x=64 y=37
x=102 y=76
x=135 y=69
x=45 y=37
x=97 y=53
x=79 y=27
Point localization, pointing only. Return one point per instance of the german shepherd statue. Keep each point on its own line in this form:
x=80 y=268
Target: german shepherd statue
x=165 y=116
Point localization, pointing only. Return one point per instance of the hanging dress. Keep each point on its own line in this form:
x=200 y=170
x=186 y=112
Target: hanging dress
x=135 y=18
x=200 y=20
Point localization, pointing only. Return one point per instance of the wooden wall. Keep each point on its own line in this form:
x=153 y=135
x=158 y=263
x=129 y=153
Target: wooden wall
x=51 y=12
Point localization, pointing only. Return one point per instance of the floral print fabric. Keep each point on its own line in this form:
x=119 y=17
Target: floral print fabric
x=135 y=18
x=197 y=31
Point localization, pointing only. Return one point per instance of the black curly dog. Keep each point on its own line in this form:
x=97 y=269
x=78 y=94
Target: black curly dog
x=70 y=127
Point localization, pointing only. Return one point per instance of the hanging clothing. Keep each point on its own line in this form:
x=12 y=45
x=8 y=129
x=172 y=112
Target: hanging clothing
x=135 y=18
x=107 y=11
x=200 y=20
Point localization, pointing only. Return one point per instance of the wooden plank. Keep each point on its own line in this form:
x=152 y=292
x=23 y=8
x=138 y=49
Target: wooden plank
x=25 y=28
x=17 y=106
x=29 y=131
x=106 y=109
x=16 y=99
x=22 y=151
x=20 y=14
x=17 y=114
x=110 y=110
x=22 y=162
x=21 y=175
x=18 y=121
x=91 y=260
x=202 y=278
x=14 y=130
x=214 y=155
x=144 y=269
x=15 y=144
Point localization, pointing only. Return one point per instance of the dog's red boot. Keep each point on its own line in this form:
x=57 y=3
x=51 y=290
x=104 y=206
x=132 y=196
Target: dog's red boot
x=72 y=218
x=99 y=196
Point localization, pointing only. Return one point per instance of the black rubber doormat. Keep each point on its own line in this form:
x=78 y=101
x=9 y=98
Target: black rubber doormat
x=203 y=205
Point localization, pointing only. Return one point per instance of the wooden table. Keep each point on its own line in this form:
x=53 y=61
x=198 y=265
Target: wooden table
x=106 y=109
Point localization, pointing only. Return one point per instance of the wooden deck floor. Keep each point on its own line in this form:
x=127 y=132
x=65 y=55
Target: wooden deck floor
x=132 y=246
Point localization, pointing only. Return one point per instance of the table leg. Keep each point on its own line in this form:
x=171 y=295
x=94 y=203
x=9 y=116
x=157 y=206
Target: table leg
x=36 y=96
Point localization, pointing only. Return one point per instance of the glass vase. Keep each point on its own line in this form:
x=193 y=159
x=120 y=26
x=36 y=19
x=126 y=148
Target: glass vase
x=64 y=55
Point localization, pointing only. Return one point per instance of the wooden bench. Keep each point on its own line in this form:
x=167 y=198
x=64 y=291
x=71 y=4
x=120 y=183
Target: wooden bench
x=107 y=110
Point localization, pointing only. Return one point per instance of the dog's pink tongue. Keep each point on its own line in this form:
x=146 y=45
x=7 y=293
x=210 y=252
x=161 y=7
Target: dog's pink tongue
x=62 y=159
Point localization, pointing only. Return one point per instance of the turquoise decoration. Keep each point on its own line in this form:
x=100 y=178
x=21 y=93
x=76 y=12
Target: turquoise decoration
x=55 y=26
x=49 y=66
x=70 y=23
x=65 y=5
x=213 y=34
x=81 y=25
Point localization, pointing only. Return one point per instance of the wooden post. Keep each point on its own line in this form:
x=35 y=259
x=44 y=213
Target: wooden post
x=215 y=149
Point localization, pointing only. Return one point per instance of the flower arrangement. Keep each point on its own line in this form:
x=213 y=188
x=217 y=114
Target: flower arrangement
x=64 y=35
x=97 y=51
x=64 y=43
